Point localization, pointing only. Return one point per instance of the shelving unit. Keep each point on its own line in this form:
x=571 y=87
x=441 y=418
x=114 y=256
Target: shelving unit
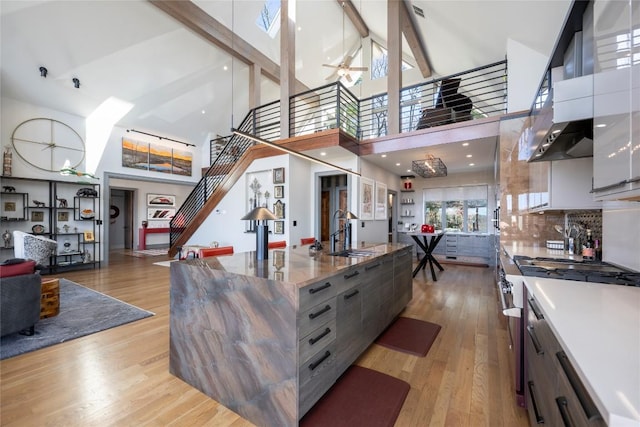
x=61 y=213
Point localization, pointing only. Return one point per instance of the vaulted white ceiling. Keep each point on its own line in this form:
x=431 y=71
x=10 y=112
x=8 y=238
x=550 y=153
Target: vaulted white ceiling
x=135 y=52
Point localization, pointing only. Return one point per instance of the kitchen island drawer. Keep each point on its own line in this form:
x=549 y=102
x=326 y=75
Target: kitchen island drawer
x=315 y=377
x=316 y=316
x=315 y=293
x=317 y=339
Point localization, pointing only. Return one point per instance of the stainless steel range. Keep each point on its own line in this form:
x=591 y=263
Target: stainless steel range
x=584 y=271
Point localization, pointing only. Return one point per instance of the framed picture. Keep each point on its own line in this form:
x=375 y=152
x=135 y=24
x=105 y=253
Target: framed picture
x=161 y=200
x=160 y=213
x=278 y=191
x=278 y=209
x=381 y=201
x=278 y=259
x=278 y=275
x=278 y=176
x=37 y=216
x=366 y=198
x=278 y=227
x=10 y=206
x=88 y=236
x=63 y=216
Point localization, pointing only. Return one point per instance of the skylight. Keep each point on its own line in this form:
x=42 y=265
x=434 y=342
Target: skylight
x=268 y=19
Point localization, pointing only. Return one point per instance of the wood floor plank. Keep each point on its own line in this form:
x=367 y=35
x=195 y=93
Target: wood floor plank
x=120 y=377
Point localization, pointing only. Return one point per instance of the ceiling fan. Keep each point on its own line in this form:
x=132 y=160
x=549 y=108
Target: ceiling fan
x=344 y=68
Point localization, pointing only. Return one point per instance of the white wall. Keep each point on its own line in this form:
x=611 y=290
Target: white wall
x=526 y=68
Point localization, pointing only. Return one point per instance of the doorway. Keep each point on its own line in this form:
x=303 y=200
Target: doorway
x=334 y=196
x=391 y=210
x=120 y=218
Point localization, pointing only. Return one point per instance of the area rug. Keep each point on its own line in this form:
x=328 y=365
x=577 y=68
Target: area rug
x=83 y=311
x=149 y=252
x=361 y=397
x=411 y=336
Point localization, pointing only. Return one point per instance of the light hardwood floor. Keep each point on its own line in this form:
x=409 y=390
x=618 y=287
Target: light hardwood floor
x=120 y=377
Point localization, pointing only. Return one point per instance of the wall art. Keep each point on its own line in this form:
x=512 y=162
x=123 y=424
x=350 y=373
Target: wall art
x=278 y=192
x=278 y=176
x=278 y=227
x=63 y=216
x=278 y=209
x=156 y=157
x=88 y=236
x=160 y=213
x=366 y=198
x=381 y=201
x=161 y=200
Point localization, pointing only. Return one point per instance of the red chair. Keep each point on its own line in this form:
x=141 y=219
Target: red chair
x=307 y=241
x=279 y=244
x=222 y=250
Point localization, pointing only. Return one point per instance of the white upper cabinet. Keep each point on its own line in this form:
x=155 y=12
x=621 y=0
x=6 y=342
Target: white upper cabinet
x=616 y=88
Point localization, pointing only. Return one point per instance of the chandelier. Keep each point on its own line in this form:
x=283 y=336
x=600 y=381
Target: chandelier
x=431 y=167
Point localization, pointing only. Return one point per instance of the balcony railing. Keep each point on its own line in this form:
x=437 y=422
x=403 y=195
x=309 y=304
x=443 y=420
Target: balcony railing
x=484 y=91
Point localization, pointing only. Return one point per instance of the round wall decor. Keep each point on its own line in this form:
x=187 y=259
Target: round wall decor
x=48 y=144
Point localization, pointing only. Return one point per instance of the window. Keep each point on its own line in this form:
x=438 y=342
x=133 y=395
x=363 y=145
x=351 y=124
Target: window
x=380 y=62
x=268 y=20
x=461 y=209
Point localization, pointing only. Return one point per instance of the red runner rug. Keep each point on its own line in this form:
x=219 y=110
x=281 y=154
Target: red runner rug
x=409 y=336
x=361 y=397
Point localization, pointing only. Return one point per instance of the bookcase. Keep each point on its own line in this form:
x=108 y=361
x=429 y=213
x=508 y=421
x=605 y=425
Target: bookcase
x=65 y=211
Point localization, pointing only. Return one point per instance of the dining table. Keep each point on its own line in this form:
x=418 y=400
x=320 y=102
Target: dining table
x=427 y=242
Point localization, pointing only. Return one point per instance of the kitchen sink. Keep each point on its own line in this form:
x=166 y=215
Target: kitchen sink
x=353 y=253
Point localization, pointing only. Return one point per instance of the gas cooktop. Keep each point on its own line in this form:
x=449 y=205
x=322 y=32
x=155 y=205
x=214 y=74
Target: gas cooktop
x=584 y=271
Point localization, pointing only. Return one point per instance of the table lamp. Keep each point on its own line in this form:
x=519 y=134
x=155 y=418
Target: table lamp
x=261 y=215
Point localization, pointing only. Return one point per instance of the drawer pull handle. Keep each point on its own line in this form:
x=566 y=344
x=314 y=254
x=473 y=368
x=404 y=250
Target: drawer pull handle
x=349 y=276
x=536 y=342
x=539 y=418
x=589 y=408
x=320 y=312
x=324 y=333
x=371 y=267
x=536 y=310
x=317 y=363
x=352 y=294
x=564 y=411
x=325 y=286
x=403 y=253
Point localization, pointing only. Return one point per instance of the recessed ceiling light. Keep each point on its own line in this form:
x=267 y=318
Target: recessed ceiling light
x=469 y=156
x=299 y=28
x=472 y=164
x=409 y=170
x=203 y=111
x=601 y=125
x=465 y=144
x=322 y=153
x=397 y=164
x=383 y=156
x=225 y=68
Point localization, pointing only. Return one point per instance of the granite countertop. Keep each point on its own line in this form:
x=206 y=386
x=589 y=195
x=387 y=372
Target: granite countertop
x=598 y=325
x=293 y=264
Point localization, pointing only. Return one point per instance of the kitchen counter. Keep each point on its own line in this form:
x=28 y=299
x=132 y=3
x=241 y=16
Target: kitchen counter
x=268 y=338
x=516 y=248
x=598 y=326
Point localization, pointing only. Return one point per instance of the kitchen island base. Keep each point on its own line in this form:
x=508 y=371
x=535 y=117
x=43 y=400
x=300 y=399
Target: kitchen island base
x=269 y=348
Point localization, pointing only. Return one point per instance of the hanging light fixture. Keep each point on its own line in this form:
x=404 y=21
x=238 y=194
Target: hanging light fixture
x=431 y=167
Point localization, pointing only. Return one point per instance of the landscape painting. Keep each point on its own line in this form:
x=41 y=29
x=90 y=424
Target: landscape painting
x=156 y=157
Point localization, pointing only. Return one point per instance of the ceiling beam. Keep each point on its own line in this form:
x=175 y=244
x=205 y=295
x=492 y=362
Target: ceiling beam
x=413 y=40
x=355 y=18
x=197 y=20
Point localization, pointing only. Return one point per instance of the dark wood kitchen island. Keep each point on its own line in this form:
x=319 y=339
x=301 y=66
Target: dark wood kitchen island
x=268 y=338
